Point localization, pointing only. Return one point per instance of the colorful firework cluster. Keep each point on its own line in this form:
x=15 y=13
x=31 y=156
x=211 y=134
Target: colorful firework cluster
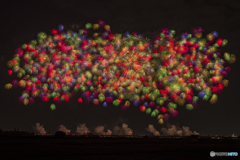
x=122 y=69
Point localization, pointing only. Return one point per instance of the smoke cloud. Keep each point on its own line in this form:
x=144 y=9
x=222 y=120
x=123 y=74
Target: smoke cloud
x=64 y=129
x=187 y=132
x=100 y=130
x=82 y=129
x=109 y=132
x=152 y=130
x=39 y=129
x=173 y=131
x=125 y=130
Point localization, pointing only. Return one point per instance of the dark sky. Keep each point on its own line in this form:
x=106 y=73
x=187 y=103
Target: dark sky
x=22 y=21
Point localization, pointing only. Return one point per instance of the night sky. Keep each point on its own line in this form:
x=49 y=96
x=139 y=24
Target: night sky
x=22 y=21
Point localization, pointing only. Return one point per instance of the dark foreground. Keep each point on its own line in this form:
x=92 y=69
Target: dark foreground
x=113 y=148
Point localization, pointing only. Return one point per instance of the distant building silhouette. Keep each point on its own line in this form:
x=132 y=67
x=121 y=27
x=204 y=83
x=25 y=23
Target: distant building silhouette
x=1 y=132
x=17 y=133
x=194 y=136
x=59 y=134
